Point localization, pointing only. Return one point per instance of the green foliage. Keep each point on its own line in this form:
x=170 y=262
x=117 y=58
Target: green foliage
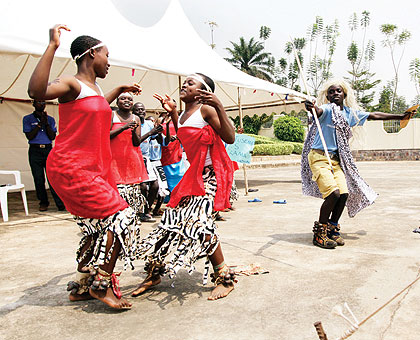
x=275 y=149
x=289 y=128
x=249 y=56
x=253 y=124
x=269 y=149
x=320 y=61
x=297 y=147
x=265 y=32
x=287 y=72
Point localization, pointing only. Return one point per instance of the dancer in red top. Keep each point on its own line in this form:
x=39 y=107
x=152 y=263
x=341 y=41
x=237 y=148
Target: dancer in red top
x=187 y=229
x=127 y=163
x=79 y=167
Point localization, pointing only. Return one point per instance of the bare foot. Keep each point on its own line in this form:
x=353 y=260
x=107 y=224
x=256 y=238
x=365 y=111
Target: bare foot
x=80 y=297
x=109 y=298
x=222 y=290
x=147 y=284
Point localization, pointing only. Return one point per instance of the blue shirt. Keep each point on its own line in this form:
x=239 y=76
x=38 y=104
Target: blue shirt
x=155 y=150
x=353 y=118
x=145 y=145
x=30 y=122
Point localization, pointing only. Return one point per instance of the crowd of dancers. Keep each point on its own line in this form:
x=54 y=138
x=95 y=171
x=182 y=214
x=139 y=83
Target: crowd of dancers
x=114 y=169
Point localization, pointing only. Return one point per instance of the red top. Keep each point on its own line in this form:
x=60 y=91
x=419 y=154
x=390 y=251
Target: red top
x=195 y=142
x=78 y=167
x=127 y=163
x=172 y=153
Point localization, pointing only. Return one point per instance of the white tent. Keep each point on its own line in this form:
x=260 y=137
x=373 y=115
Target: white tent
x=157 y=57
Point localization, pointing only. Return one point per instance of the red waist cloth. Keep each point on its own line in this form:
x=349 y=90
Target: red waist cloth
x=172 y=153
x=127 y=163
x=195 y=142
x=78 y=167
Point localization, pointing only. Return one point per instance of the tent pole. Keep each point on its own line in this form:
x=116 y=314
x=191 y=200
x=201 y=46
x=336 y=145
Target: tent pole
x=241 y=124
x=179 y=89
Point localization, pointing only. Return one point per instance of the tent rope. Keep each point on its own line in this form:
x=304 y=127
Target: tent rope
x=17 y=77
x=233 y=100
x=141 y=79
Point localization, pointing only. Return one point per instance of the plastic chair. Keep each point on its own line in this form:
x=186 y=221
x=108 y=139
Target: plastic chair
x=11 y=187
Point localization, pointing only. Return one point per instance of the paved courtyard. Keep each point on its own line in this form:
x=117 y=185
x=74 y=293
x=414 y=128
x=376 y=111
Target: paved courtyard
x=304 y=283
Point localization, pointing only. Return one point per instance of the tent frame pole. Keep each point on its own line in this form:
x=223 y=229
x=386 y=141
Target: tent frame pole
x=241 y=124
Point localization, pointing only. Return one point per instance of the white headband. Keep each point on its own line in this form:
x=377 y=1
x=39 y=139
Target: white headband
x=76 y=58
x=125 y=94
x=201 y=80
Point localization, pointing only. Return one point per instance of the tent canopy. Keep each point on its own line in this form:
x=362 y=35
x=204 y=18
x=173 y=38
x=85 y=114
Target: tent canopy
x=155 y=56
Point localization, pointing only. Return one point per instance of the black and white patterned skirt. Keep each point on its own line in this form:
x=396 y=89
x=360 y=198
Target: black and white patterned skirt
x=95 y=233
x=186 y=232
x=131 y=193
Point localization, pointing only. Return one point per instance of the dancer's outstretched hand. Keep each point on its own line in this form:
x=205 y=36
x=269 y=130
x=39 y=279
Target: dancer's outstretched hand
x=55 y=34
x=208 y=98
x=167 y=103
x=134 y=89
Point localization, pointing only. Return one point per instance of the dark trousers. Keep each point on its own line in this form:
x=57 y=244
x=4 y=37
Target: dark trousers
x=38 y=162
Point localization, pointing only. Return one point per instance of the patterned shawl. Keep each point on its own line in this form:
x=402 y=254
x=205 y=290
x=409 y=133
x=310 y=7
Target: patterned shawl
x=361 y=195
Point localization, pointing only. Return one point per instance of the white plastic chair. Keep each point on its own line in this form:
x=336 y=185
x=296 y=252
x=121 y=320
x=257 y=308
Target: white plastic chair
x=12 y=187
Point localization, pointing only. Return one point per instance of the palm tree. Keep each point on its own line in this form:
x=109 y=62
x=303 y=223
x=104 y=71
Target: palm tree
x=251 y=58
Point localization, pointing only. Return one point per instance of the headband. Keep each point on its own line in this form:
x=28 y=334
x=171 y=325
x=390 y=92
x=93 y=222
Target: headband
x=125 y=94
x=201 y=80
x=76 y=58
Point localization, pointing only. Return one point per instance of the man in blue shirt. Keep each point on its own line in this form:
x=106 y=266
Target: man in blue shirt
x=150 y=187
x=40 y=130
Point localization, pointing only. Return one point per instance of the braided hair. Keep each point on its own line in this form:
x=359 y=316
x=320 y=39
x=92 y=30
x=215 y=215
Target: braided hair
x=82 y=44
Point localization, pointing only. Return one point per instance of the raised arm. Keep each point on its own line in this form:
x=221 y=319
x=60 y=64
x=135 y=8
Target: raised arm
x=39 y=87
x=170 y=106
x=113 y=94
x=214 y=114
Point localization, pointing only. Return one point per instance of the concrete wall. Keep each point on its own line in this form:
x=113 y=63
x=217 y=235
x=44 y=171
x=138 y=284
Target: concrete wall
x=372 y=136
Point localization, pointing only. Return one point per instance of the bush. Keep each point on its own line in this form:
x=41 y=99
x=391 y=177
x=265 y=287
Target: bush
x=253 y=124
x=274 y=149
x=263 y=139
x=297 y=147
x=288 y=128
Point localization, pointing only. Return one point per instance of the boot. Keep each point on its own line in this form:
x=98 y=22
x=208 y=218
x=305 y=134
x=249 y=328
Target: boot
x=320 y=236
x=333 y=232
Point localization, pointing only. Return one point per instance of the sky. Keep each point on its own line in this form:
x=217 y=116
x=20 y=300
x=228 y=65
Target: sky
x=236 y=18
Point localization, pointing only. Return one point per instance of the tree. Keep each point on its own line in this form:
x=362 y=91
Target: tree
x=251 y=58
x=394 y=38
x=414 y=69
x=265 y=33
x=386 y=100
x=319 y=68
x=360 y=54
x=287 y=72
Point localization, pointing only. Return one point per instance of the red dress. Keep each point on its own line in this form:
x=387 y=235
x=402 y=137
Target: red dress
x=78 y=167
x=127 y=163
x=196 y=141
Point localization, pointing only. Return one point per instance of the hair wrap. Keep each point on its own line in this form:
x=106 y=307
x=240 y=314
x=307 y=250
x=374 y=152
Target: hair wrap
x=201 y=80
x=77 y=57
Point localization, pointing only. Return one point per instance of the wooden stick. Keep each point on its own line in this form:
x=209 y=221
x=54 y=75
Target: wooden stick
x=320 y=331
x=321 y=136
x=241 y=124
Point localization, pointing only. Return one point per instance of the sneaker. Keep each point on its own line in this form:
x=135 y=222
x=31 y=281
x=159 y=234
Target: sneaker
x=320 y=236
x=333 y=232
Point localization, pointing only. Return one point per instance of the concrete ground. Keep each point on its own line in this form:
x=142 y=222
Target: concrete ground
x=380 y=258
